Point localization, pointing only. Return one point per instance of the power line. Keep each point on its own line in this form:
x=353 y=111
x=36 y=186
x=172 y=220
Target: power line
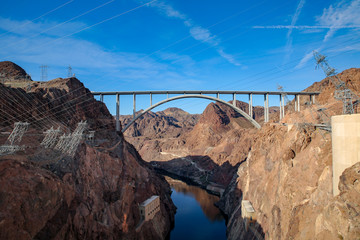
x=91 y=26
x=342 y=92
x=57 y=25
x=43 y=15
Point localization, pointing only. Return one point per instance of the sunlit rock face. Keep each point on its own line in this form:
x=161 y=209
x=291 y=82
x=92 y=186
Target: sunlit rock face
x=287 y=177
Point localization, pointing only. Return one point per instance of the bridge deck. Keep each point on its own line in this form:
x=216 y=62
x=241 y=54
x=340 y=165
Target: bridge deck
x=204 y=92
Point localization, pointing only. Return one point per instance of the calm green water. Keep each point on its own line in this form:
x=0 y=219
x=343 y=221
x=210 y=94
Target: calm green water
x=196 y=216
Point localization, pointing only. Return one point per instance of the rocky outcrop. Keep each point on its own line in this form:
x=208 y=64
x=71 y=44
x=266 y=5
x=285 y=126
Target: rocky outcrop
x=169 y=123
x=351 y=77
x=10 y=71
x=46 y=194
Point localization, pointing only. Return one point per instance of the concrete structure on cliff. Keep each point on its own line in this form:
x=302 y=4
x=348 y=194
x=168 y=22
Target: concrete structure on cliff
x=149 y=208
x=205 y=95
x=345 y=145
x=247 y=213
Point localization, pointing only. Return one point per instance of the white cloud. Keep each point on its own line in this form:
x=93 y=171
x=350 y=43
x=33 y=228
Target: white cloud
x=288 y=47
x=29 y=29
x=228 y=57
x=296 y=16
x=90 y=59
x=203 y=34
x=168 y=10
x=197 y=32
x=344 y=14
x=301 y=27
x=304 y=60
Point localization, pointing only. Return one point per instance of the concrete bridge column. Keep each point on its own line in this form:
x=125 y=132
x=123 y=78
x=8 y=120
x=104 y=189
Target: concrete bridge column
x=150 y=99
x=266 y=107
x=312 y=99
x=345 y=134
x=281 y=107
x=298 y=102
x=134 y=107
x=101 y=98
x=218 y=95
x=234 y=99
x=250 y=105
x=117 y=123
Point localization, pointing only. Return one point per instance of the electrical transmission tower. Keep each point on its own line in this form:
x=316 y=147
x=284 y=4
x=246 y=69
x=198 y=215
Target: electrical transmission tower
x=70 y=74
x=76 y=137
x=342 y=92
x=63 y=142
x=15 y=137
x=69 y=143
x=50 y=138
x=18 y=132
x=44 y=74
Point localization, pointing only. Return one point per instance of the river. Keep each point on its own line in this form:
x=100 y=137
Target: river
x=196 y=216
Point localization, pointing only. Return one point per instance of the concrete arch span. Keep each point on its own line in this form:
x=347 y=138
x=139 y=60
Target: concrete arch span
x=244 y=114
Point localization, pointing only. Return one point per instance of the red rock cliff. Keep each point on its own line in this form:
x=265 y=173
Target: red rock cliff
x=95 y=195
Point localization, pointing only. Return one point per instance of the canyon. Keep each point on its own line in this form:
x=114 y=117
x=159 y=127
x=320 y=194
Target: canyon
x=284 y=169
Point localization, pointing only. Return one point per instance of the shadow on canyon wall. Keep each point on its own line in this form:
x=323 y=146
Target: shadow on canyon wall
x=197 y=170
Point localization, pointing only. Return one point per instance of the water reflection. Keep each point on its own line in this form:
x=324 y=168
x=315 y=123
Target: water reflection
x=205 y=199
x=196 y=216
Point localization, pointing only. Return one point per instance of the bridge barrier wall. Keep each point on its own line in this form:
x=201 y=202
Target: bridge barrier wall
x=345 y=145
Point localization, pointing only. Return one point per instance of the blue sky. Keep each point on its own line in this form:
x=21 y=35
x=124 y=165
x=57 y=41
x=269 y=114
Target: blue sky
x=124 y=45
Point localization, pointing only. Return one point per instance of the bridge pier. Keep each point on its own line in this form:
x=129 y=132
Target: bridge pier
x=283 y=106
x=134 y=107
x=251 y=105
x=266 y=107
x=297 y=103
x=117 y=122
x=101 y=98
x=150 y=99
x=234 y=99
x=281 y=109
x=312 y=99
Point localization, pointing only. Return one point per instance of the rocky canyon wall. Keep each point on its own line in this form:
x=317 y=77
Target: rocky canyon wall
x=46 y=194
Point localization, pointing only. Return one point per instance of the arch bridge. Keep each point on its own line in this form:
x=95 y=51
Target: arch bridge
x=207 y=95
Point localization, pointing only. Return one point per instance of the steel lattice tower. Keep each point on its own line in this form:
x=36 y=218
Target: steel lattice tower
x=44 y=75
x=70 y=74
x=342 y=92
